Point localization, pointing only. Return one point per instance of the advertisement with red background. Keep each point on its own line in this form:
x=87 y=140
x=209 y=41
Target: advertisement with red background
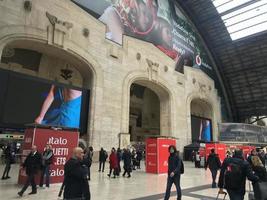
x=62 y=141
x=163 y=154
x=157 y=154
x=151 y=155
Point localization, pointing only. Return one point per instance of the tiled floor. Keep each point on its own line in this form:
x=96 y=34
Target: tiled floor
x=195 y=184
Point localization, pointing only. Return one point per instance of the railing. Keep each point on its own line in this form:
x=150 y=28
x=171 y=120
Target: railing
x=239 y=132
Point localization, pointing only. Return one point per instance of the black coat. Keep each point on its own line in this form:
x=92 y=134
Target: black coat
x=103 y=156
x=75 y=180
x=33 y=163
x=9 y=155
x=246 y=172
x=213 y=162
x=127 y=160
x=174 y=165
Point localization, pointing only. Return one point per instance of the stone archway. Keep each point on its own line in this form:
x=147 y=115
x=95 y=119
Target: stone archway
x=201 y=108
x=160 y=90
x=84 y=72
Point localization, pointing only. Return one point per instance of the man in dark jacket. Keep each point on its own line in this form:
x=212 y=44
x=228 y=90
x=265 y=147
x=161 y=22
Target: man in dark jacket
x=103 y=155
x=214 y=164
x=174 y=173
x=76 y=177
x=126 y=156
x=47 y=161
x=32 y=164
x=233 y=176
x=9 y=159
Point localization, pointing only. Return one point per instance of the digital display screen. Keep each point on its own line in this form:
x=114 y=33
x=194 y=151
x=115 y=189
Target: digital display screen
x=26 y=100
x=201 y=129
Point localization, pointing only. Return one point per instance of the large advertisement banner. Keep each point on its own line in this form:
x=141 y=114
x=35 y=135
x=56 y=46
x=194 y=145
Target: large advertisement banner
x=160 y=22
x=62 y=141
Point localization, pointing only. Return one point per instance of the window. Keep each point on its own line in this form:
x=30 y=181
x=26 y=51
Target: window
x=243 y=18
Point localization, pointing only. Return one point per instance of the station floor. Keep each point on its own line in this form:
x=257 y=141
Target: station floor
x=195 y=184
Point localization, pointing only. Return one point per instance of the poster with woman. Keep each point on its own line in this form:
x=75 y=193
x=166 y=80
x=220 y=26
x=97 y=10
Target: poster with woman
x=157 y=21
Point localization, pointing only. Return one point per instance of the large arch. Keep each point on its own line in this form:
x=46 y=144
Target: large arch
x=19 y=35
x=161 y=89
x=206 y=109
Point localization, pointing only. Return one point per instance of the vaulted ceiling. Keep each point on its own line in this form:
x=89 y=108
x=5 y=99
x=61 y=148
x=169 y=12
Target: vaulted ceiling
x=242 y=63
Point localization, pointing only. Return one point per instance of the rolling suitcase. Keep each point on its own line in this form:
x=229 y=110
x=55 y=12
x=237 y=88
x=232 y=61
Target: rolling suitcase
x=218 y=195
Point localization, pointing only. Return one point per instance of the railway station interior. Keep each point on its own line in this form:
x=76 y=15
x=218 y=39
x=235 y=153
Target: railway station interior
x=156 y=90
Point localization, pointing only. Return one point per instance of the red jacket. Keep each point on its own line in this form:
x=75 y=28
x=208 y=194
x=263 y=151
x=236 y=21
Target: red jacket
x=113 y=161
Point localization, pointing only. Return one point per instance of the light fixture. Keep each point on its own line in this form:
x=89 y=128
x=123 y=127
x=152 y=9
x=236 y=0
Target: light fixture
x=66 y=73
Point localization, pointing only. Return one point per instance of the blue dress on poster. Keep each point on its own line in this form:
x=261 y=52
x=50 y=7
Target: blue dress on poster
x=206 y=131
x=67 y=115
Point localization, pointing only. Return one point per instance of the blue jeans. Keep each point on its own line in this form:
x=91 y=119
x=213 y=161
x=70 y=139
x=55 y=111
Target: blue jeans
x=236 y=194
x=46 y=173
x=176 y=181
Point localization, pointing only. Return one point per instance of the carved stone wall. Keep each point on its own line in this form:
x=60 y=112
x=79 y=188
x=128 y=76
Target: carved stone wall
x=65 y=29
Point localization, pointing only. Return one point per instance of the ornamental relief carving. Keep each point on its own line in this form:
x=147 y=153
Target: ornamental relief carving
x=58 y=31
x=153 y=70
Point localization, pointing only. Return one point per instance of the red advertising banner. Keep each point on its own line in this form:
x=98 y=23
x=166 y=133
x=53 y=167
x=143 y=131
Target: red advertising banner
x=157 y=154
x=163 y=153
x=151 y=155
x=62 y=141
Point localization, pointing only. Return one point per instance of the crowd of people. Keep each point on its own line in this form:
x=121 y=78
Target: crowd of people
x=77 y=170
x=234 y=170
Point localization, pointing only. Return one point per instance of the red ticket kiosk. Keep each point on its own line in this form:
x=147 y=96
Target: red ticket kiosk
x=157 y=154
x=62 y=141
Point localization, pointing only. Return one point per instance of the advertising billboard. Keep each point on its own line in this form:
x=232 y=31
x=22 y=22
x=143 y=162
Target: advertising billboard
x=160 y=22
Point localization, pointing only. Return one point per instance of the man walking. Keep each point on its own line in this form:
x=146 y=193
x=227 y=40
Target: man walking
x=174 y=173
x=32 y=164
x=102 y=159
x=76 y=177
x=233 y=176
x=214 y=164
x=126 y=156
x=9 y=159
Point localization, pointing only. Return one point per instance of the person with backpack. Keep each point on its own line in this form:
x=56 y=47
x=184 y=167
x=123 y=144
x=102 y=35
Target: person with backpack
x=233 y=176
x=174 y=173
x=214 y=164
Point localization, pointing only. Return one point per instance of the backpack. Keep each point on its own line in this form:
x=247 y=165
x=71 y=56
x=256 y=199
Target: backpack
x=233 y=176
x=182 y=168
